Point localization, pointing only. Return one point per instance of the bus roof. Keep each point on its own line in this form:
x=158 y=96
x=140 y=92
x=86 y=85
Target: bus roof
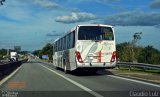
x=74 y=28
x=96 y=25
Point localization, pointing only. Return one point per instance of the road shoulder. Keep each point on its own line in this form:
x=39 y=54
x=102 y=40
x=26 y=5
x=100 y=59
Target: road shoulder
x=143 y=76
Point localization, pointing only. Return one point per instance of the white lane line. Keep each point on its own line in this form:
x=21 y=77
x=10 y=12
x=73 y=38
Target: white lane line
x=8 y=77
x=76 y=83
x=142 y=82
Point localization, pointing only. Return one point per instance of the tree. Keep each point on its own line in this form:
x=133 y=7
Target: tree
x=37 y=52
x=47 y=50
x=3 y=52
x=146 y=54
x=2 y=1
x=136 y=38
x=149 y=55
x=124 y=52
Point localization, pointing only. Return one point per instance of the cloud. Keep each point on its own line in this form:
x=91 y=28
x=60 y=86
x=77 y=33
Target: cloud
x=47 y=4
x=157 y=26
x=155 y=4
x=97 y=1
x=52 y=34
x=134 y=19
x=76 y=17
x=106 y=1
x=13 y=11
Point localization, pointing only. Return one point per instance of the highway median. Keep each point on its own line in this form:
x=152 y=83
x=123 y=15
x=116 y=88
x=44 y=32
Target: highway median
x=8 y=68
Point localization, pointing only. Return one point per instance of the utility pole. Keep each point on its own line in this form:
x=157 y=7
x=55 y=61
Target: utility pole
x=136 y=38
x=8 y=53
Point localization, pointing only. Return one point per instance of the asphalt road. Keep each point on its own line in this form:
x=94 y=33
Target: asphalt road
x=36 y=79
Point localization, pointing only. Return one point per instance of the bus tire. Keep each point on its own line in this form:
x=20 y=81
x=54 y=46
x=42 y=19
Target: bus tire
x=93 y=71
x=56 y=68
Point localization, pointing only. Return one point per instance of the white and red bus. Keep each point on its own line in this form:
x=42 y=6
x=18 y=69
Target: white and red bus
x=89 y=47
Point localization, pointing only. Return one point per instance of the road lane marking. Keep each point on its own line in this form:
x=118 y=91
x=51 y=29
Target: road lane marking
x=76 y=83
x=8 y=77
x=142 y=82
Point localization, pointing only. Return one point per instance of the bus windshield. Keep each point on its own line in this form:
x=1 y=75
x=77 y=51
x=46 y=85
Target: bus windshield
x=95 y=33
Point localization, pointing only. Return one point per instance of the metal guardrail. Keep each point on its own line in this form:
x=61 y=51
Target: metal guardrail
x=139 y=65
x=7 y=68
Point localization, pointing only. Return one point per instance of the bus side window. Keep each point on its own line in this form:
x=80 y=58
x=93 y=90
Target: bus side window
x=63 y=44
x=73 y=43
x=101 y=38
x=53 y=49
x=59 y=45
x=68 y=41
x=56 y=47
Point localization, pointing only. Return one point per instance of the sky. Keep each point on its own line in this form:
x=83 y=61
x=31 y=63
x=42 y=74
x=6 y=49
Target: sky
x=33 y=23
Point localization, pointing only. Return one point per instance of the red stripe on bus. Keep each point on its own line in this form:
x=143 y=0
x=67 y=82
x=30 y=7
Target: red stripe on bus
x=99 y=56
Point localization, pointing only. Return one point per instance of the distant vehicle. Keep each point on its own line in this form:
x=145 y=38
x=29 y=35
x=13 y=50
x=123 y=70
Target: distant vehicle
x=13 y=56
x=90 y=47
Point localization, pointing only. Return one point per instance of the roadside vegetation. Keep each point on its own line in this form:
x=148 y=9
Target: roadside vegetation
x=147 y=54
x=4 y=54
x=46 y=50
x=138 y=69
x=126 y=51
